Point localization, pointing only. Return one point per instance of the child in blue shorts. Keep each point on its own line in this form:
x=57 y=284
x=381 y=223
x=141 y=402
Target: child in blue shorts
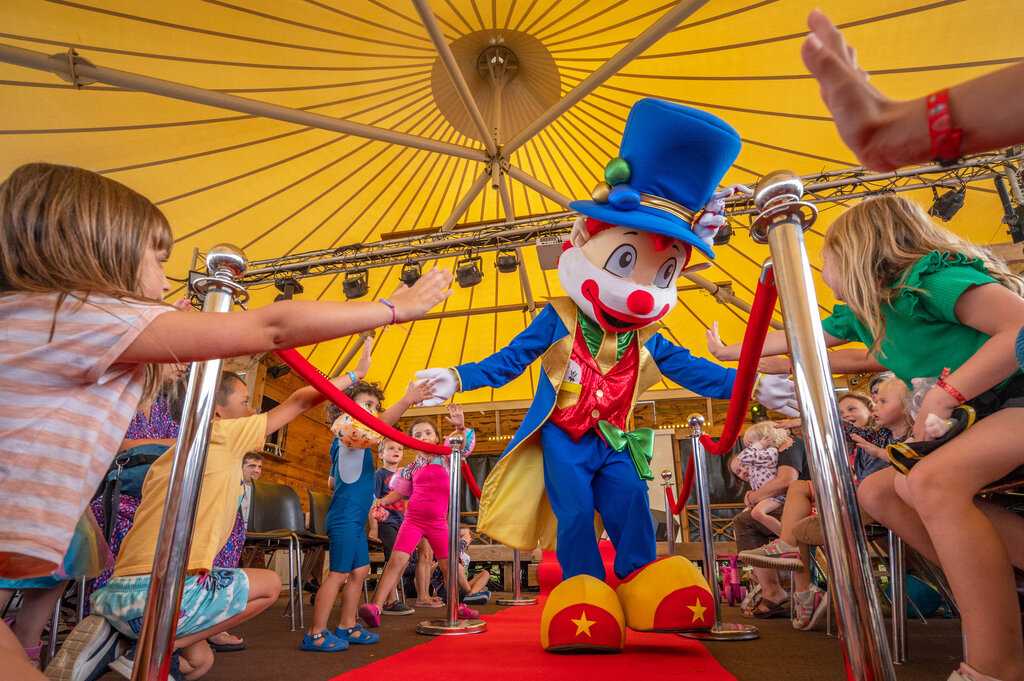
x=352 y=481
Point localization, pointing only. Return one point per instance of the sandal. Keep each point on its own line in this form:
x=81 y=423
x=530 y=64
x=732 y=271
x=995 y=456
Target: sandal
x=363 y=636
x=771 y=609
x=370 y=613
x=430 y=604
x=324 y=642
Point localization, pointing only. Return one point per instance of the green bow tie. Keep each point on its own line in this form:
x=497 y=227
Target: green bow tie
x=640 y=443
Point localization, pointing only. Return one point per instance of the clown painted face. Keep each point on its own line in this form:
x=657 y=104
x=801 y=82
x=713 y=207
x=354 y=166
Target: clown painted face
x=621 y=277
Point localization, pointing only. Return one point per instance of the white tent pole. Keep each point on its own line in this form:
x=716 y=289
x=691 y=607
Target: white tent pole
x=463 y=205
x=454 y=72
x=538 y=186
x=524 y=281
x=83 y=70
x=654 y=32
x=725 y=296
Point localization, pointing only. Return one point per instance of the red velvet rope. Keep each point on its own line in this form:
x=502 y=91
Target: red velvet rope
x=746 y=375
x=470 y=480
x=313 y=377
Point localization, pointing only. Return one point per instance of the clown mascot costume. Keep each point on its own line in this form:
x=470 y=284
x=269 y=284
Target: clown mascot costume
x=600 y=349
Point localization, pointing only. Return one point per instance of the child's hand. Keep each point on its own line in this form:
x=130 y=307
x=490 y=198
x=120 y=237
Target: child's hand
x=429 y=290
x=182 y=304
x=716 y=347
x=456 y=417
x=419 y=391
x=872 y=449
x=363 y=367
x=938 y=402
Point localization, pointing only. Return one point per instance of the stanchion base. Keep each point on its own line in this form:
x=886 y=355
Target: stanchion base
x=727 y=631
x=444 y=628
x=522 y=600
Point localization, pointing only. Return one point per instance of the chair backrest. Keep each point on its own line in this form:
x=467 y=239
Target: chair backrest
x=275 y=507
x=318 y=505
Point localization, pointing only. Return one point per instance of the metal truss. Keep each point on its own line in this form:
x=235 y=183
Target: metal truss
x=830 y=187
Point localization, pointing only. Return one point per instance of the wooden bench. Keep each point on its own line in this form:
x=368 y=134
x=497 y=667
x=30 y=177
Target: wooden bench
x=491 y=553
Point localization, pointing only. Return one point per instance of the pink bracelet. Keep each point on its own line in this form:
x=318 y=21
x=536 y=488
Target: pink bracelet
x=394 y=312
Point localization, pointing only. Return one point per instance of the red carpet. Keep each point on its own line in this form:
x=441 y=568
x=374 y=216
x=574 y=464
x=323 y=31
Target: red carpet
x=510 y=651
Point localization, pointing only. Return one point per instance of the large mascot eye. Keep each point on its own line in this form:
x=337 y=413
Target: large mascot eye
x=621 y=261
x=666 y=274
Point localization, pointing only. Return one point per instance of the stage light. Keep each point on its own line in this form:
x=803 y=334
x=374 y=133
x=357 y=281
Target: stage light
x=288 y=286
x=468 y=271
x=507 y=262
x=549 y=249
x=758 y=412
x=411 y=272
x=723 y=235
x=278 y=371
x=355 y=285
x=947 y=205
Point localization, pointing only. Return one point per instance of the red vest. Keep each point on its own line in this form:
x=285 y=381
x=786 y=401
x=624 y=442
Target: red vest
x=607 y=397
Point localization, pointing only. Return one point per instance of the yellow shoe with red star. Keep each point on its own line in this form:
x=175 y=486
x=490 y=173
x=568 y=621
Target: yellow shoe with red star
x=582 y=614
x=669 y=594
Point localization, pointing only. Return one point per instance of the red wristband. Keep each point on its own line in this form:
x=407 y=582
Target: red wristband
x=394 y=312
x=957 y=395
x=945 y=138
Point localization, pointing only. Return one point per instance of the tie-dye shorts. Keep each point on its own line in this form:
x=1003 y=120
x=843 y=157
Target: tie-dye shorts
x=206 y=601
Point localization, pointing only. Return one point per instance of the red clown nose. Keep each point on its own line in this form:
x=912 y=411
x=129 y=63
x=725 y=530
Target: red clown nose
x=640 y=302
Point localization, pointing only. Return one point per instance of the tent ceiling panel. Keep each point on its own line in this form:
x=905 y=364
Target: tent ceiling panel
x=281 y=187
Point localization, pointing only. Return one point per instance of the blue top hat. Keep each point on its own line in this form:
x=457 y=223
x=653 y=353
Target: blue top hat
x=671 y=160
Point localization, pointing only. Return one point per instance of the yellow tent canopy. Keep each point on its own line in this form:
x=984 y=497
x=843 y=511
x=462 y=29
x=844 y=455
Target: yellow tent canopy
x=329 y=124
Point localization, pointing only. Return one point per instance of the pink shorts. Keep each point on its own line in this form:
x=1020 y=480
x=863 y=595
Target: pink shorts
x=413 y=529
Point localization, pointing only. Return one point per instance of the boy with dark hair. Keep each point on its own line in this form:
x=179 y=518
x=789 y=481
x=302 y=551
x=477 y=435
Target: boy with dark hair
x=386 y=521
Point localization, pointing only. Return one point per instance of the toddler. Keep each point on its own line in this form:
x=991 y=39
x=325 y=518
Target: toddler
x=758 y=464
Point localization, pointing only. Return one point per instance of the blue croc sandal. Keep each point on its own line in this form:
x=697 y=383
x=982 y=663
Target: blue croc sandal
x=330 y=643
x=365 y=637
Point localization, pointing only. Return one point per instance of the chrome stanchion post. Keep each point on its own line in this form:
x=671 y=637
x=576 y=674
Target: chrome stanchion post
x=670 y=517
x=781 y=224
x=517 y=585
x=898 y=598
x=452 y=624
x=720 y=631
x=160 y=619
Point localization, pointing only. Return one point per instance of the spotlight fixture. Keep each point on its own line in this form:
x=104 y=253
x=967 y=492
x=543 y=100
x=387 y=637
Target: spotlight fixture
x=411 y=272
x=1013 y=215
x=723 y=235
x=288 y=286
x=468 y=271
x=278 y=370
x=507 y=262
x=947 y=205
x=758 y=412
x=355 y=285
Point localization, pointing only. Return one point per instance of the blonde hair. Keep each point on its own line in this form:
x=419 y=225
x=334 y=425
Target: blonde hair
x=877 y=241
x=67 y=231
x=903 y=393
x=765 y=430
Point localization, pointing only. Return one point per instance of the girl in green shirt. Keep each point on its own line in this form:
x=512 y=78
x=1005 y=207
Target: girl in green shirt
x=925 y=301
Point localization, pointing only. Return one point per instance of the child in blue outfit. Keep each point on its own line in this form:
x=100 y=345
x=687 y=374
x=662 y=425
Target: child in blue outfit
x=352 y=477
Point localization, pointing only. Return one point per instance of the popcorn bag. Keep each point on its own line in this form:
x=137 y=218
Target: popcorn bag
x=353 y=434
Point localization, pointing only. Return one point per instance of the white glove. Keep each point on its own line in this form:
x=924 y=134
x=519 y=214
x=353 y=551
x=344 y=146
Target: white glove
x=711 y=219
x=444 y=385
x=776 y=392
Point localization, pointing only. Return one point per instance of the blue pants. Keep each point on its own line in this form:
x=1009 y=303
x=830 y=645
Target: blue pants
x=581 y=478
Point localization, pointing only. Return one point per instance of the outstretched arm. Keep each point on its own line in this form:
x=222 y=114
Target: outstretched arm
x=886 y=134
x=775 y=343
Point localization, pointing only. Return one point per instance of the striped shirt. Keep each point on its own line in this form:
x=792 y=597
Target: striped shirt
x=65 y=404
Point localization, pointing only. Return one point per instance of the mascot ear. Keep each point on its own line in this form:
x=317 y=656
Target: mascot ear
x=579 y=234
